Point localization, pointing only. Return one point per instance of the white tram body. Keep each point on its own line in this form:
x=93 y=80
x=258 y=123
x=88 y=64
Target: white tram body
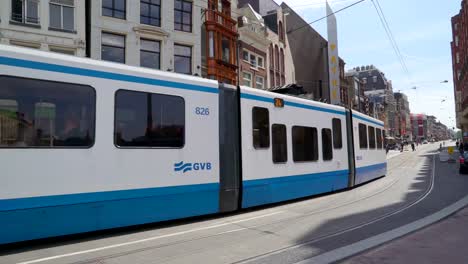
x=267 y=181
x=88 y=145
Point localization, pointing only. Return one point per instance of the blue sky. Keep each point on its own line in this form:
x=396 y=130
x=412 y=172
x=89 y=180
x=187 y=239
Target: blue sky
x=422 y=30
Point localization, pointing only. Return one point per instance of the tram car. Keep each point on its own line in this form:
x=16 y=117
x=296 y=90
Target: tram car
x=89 y=145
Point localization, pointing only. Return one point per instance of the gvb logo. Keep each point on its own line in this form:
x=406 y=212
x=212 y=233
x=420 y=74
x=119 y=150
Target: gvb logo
x=197 y=166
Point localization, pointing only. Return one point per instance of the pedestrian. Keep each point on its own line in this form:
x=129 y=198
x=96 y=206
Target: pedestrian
x=457 y=143
x=412 y=146
x=461 y=147
x=402 y=146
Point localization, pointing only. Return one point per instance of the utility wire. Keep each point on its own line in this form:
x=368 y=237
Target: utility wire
x=390 y=36
x=317 y=20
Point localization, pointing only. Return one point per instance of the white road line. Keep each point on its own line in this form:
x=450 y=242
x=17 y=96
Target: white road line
x=380 y=218
x=371 y=242
x=146 y=239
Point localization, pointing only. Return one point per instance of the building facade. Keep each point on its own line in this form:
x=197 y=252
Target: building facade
x=280 y=68
x=402 y=116
x=379 y=90
x=459 y=46
x=309 y=52
x=419 y=127
x=163 y=35
x=54 y=25
x=220 y=41
x=253 y=46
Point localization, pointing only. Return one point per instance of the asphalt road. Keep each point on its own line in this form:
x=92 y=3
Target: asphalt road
x=416 y=186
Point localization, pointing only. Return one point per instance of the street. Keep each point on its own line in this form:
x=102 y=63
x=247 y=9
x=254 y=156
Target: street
x=285 y=233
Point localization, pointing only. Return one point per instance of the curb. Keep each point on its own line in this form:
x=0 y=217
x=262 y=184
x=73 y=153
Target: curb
x=372 y=242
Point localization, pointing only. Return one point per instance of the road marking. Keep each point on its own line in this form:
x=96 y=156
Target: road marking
x=351 y=228
x=371 y=242
x=147 y=239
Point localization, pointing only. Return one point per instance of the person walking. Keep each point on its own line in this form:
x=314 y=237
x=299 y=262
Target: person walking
x=412 y=146
x=457 y=143
x=461 y=147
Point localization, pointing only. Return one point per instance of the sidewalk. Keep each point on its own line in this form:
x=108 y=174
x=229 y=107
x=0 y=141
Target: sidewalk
x=444 y=242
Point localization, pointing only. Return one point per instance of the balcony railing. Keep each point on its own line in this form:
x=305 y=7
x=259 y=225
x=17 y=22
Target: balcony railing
x=221 y=19
x=20 y=18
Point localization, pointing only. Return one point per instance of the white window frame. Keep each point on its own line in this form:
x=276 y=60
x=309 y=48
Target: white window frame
x=248 y=56
x=24 y=14
x=374 y=79
x=263 y=62
x=254 y=66
x=249 y=80
x=57 y=3
x=257 y=82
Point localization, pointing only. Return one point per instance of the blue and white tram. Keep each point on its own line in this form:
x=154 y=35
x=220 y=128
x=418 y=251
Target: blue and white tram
x=89 y=145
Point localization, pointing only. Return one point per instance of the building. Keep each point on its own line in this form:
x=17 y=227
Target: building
x=219 y=40
x=309 y=52
x=344 y=90
x=279 y=63
x=419 y=127
x=147 y=33
x=459 y=47
x=356 y=96
x=253 y=46
x=402 y=116
x=55 y=25
x=379 y=90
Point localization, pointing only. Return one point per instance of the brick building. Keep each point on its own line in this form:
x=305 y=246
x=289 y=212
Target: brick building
x=459 y=46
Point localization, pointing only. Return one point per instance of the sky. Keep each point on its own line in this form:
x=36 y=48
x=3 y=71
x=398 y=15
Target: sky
x=422 y=31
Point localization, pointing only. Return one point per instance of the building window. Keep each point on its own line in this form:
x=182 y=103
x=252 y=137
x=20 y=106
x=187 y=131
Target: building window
x=280 y=147
x=362 y=136
x=260 y=62
x=183 y=59
x=245 y=55
x=458 y=57
x=114 y=8
x=260 y=128
x=364 y=80
x=281 y=31
x=150 y=53
x=253 y=60
x=305 y=143
x=62 y=14
x=270 y=51
x=226 y=50
x=25 y=11
x=456 y=41
x=327 y=150
x=113 y=47
x=371 y=137
x=259 y=82
x=183 y=15
x=149 y=120
x=45 y=114
x=150 y=12
x=337 y=137
x=379 y=138
x=282 y=60
x=247 y=79
x=211 y=45
x=276 y=58
x=374 y=79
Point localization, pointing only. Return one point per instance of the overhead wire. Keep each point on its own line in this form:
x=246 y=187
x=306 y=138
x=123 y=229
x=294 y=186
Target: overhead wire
x=390 y=37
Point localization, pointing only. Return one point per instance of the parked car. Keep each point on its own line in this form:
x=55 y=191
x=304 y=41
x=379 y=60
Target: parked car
x=463 y=163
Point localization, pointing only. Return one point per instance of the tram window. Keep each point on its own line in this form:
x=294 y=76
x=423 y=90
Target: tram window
x=371 y=137
x=362 y=136
x=44 y=114
x=379 y=138
x=280 y=147
x=337 y=138
x=146 y=120
x=327 y=149
x=261 y=127
x=305 y=143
